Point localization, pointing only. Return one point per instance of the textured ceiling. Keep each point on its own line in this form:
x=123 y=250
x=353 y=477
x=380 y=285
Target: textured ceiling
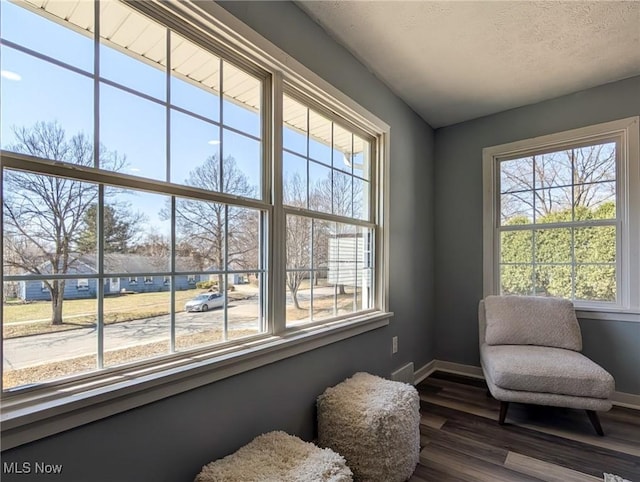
x=453 y=61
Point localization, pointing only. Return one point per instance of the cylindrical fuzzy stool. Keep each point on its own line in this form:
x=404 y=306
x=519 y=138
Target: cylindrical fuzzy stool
x=277 y=456
x=374 y=424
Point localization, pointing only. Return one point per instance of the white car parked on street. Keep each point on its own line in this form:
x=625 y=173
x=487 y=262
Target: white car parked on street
x=204 y=302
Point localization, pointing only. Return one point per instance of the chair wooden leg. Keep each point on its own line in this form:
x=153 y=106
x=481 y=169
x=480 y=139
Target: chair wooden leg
x=504 y=406
x=595 y=421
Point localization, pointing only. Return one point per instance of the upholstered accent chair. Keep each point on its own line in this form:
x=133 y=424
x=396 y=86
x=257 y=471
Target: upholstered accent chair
x=530 y=353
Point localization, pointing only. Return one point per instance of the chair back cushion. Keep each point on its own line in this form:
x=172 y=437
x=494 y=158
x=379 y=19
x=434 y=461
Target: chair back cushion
x=532 y=320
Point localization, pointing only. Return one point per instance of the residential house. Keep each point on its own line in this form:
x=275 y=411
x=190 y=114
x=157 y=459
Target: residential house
x=138 y=280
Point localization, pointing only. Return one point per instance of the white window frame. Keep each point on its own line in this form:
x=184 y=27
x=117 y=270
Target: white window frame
x=626 y=133
x=31 y=414
x=82 y=284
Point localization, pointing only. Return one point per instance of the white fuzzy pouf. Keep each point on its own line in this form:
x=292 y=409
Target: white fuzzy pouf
x=614 y=478
x=277 y=457
x=375 y=424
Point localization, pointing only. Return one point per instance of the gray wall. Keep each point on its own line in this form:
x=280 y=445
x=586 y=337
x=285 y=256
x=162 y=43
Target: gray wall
x=171 y=439
x=412 y=197
x=458 y=234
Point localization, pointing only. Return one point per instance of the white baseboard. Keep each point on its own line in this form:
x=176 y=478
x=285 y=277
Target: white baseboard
x=423 y=372
x=621 y=399
x=627 y=400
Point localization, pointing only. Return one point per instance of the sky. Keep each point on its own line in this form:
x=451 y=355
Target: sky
x=32 y=90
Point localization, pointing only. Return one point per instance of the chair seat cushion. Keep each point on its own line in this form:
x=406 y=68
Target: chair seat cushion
x=545 y=370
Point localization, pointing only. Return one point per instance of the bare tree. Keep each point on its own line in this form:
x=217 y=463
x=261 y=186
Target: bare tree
x=298 y=236
x=43 y=215
x=542 y=183
x=205 y=226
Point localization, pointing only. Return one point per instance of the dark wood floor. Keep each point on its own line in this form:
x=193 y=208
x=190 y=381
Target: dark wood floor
x=462 y=441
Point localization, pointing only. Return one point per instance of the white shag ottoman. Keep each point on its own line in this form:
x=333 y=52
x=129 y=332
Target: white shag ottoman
x=277 y=457
x=375 y=424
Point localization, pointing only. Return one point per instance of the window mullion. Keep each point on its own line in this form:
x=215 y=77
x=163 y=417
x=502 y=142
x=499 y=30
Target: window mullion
x=100 y=210
x=276 y=288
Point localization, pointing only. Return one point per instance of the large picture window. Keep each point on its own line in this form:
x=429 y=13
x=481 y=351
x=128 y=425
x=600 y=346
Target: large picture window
x=169 y=202
x=329 y=227
x=563 y=220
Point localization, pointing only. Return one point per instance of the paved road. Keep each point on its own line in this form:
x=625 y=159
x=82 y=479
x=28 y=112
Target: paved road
x=37 y=349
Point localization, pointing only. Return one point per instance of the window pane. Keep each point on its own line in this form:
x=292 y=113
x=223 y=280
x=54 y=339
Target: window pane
x=361 y=157
x=195 y=78
x=294 y=133
x=298 y=251
x=200 y=235
x=553 y=280
x=342 y=194
x=35 y=349
x=133 y=129
x=553 y=169
x=516 y=279
x=298 y=304
x=243 y=308
x=294 y=180
x=324 y=298
x=242 y=99
x=243 y=239
x=595 y=244
x=131 y=72
x=595 y=201
x=343 y=252
x=516 y=247
x=364 y=293
x=42 y=217
x=553 y=205
x=319 y=138
x=516 y=208
x=320 y=188
x=596 y=282
x=200 y=312
x=137 y=233
x=360 y=199
x=133 y=50
x=595 y=163
x=298 y=242
x=516 y=175
x=195 y=152
x=322 y=233
x=137 y=325
x=242 y=165
x=342 y=148
x=42 y=35
x=553 y=245
x=45 y=120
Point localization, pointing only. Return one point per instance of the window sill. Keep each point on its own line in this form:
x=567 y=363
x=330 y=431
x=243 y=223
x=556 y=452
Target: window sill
x=613 y=314
x=32 y=416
